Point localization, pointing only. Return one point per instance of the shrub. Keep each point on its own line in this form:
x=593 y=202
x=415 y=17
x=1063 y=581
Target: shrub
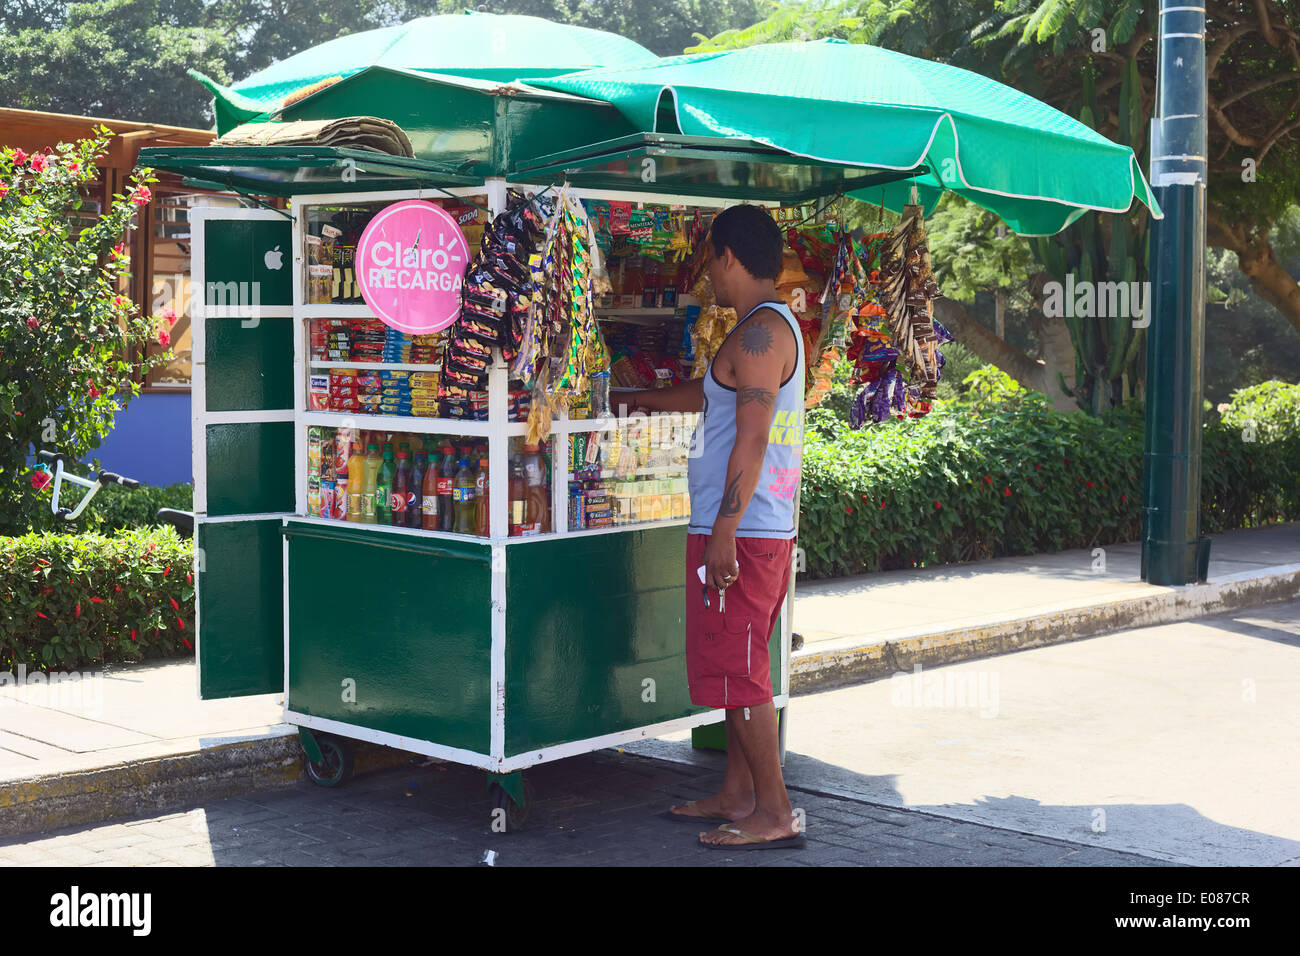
x=69 y=600
x=1002 y=473
x=115 y=508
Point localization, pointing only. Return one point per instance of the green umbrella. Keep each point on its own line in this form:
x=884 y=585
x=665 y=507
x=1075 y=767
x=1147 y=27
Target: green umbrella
x=484 y=45
x=1037 y=168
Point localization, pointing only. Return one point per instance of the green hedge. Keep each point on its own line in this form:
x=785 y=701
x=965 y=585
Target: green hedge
x=1004 y=474
x=115 y=508
x=71 y=600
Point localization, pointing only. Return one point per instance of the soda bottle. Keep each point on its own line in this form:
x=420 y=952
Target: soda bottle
x=518 y=493
x=401 y=486
x=481 y=510
x=429 y=517
x=539 y=506
x=415 y=497
x=463 y=490
x=356 y=482
x=446 y=481
x=384 y=488
x=370 y=477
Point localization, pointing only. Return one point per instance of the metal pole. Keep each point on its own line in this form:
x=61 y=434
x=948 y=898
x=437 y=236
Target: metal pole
x=1173 y=550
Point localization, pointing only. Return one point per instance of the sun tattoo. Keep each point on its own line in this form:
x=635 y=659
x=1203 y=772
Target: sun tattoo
x=756 y=339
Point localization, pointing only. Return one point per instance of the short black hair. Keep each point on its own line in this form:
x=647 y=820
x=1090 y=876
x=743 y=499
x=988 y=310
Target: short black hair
x=753 y=235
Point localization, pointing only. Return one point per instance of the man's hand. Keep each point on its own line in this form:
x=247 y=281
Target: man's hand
x=720 y=567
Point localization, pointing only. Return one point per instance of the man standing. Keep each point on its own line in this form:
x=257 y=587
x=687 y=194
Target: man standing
x=744 y=471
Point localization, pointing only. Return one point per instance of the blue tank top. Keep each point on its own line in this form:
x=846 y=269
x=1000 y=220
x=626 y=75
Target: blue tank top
x=771 y=510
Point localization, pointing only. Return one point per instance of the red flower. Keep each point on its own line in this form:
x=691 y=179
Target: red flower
x=167 y=571
x=848 y=511
x=39 y=614
x=1067 y=461
x=882 y=502
x=152 y=546
x=40 y=478
x=937 y=505
x=170 y=315
x=1036 y=467
x=118 y=588
x=96 y=600
x=188 y=644
x=78 y=613
x=74 y=166
x=4 y=190
x=120 y=249
x=1121 y=498
x=181 y=625
x=19 y=157
x=141 y=196
x=1006 y=492
x=1088 y=483
x=133 y=634
x=38 y=163
x=33 y=322
x=164 y=338
x=188 y=577
x=175 y=606
x=91 y=390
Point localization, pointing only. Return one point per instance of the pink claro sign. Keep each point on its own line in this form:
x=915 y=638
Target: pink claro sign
x=410 y=263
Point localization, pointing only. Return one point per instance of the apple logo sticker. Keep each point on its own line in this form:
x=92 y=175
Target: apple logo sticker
x=274 y=259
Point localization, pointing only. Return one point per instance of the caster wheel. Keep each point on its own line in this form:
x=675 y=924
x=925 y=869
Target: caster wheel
x=515 y=816
x=338 y=764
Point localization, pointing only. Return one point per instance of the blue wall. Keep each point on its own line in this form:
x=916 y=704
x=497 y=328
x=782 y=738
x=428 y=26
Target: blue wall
x=150 y=440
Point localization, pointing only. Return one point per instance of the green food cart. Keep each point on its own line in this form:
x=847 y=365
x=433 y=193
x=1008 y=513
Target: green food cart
x=497 y=651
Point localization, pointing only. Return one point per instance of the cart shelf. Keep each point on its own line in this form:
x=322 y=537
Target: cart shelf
x=400 y=423
x=377 y=366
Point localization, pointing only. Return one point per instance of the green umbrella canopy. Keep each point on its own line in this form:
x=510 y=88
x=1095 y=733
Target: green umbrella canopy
x=484 y=45
x=1032 y=165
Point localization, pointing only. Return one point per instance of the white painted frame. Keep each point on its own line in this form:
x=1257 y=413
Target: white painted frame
x=498 y=431
x=200 y=417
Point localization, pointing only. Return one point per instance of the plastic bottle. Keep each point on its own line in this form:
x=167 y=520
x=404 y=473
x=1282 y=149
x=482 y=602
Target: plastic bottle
x=518 y=495
x=446 y=482
x=415 y=496
x=463 y=492
x=481 y=507
x=371 y=475
x=539 y=506
x=401 y=486
x=356 y=482
x=429 y=503
x=384 y=487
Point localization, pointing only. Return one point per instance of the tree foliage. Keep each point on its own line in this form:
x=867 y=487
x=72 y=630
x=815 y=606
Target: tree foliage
x=65 y=331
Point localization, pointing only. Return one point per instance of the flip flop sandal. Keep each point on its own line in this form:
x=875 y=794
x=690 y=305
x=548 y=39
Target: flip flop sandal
x=756 y=843
x=688 y=818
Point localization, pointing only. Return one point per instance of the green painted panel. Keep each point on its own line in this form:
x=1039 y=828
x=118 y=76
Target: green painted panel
x=588 y=619
x=247 y=263
x=240 y=597
x=250 y=468
x=407 y=618
x=249 y=364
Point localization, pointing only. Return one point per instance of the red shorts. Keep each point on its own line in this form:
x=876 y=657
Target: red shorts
x=726 y=652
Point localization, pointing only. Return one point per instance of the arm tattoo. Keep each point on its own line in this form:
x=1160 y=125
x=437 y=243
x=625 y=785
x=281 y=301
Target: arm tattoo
x=747 y=395
x=756 y=339
x=731 y=498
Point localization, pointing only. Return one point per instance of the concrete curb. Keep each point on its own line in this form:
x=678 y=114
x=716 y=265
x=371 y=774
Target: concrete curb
x=849 y=660
x=45 y=802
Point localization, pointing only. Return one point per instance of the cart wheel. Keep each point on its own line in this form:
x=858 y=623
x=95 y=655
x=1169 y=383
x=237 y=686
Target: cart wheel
x=338 y=764
x=516 y=816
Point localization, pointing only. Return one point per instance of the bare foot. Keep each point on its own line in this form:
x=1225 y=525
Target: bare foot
x=718 y=805
x=763 y=825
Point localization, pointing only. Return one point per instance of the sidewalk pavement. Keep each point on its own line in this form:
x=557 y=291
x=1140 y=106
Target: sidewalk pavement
x=144 y=742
